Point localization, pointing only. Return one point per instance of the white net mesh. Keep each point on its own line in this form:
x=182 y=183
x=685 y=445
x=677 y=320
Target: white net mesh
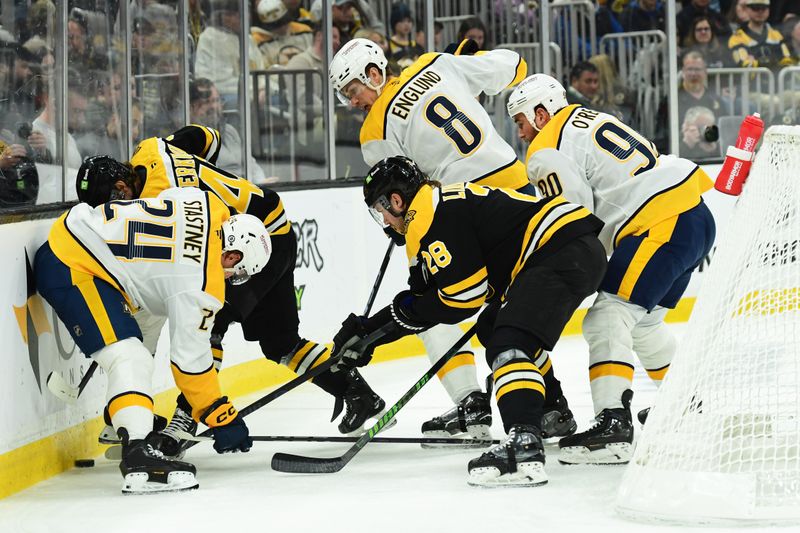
x=723 y=439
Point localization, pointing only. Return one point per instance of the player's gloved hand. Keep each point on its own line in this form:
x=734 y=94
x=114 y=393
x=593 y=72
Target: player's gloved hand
x=403 y=314
x=467 y=47
x=345 y=342
x=397 y=238
x=230 y=432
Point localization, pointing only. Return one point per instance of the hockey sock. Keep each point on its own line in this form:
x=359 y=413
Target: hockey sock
x=654 y=344
x=552 y=384
x=459 y=375
x=309 y=354
x=519 y=389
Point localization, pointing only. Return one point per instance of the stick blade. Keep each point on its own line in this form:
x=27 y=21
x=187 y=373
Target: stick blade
x=61 y=389
x=298 y=464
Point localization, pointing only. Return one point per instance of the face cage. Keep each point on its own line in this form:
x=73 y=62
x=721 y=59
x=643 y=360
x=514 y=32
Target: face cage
x=238 y=274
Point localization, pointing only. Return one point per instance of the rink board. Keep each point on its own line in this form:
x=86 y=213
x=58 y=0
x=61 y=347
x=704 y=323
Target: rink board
x=340 y=251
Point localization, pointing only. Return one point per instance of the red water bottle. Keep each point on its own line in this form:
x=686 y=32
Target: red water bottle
x=739 y=158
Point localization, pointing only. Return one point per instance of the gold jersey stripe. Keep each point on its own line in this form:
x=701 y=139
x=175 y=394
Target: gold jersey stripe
x=85 y=284
x=657 y=237
x=519 y=385
x=519 y=74
x=299 y=355
x=457 y=361
x=201 y=390
x=510 y=176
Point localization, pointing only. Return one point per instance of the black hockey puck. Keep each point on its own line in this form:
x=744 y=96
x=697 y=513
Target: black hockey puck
x=84 y=463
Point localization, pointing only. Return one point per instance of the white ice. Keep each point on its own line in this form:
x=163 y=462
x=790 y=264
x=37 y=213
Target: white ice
x=385 y=488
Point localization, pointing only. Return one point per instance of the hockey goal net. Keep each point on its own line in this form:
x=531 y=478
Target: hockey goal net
x=722 y=442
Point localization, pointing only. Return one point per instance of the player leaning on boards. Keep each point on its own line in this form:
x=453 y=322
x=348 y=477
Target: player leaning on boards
x=162 y=257
x=657 y=231
x=266 y=305
x=430 y=114
x=532 y=260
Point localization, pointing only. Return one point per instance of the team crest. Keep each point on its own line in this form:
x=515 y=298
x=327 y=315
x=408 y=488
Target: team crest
x=409 y=217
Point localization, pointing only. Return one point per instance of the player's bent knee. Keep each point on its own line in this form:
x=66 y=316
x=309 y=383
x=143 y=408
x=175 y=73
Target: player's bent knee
x=128 y=364
x=610 y=317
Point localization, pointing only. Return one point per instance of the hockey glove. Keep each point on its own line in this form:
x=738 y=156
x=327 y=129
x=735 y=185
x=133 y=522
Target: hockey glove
x=230 y=432
x=467 y=47
x=397 y=238
x=353 y=330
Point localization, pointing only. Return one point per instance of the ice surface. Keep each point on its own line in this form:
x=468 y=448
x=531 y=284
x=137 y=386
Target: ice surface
x=385 y=488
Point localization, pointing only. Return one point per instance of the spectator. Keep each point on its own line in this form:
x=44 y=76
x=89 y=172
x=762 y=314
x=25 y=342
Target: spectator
x=792 y=36
x=402 y=47
x=205 y=108
x=197 y=20
x=738 y=15
x=41 y=23
x=473 y=28
x=349 y=16
x=298 y=13
x=218 y=51
x=43 y=139
x=19 y=179
x=693 y=92
x=696 y=135
x=277 y=35
x=108 y=140
x=612 y=96
x=781 y=10
x=584 y=81
x=438 y=27
x=373 y=35
x=80 y=52
x=696 y=9
x=646 y=15
x=702 y=39
x=757 y=44
x=606 y=20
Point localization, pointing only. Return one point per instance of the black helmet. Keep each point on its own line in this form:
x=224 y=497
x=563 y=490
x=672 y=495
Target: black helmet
x=396 y=174
x=19 y=185
x=97 y=176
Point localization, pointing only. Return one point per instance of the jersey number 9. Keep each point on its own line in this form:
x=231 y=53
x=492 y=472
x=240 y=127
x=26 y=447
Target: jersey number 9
x=454 y=123
x=630 y=144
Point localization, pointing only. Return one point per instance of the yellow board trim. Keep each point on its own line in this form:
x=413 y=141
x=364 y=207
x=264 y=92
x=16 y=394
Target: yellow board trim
x=458 y=360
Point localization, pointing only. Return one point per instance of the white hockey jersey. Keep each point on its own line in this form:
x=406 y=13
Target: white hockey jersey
x=430 y=114
x=593 y=159
x=163 y=254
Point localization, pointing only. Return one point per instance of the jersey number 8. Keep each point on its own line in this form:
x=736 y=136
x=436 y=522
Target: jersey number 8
x=454 y=123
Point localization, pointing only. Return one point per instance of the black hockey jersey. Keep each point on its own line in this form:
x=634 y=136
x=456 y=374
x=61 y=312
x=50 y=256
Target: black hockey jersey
x=470 y=241
x=186 y=159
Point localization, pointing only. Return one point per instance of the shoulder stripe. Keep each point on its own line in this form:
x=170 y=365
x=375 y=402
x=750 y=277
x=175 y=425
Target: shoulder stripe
x=422 y=65
x=208 y=241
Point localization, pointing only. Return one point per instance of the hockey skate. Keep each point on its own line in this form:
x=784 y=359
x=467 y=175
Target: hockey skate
x=147 y=471
x=109 y=436
x=361 y=403
x=168 y=441
x=516 y=462
x=609 y=441
x=557 y=420
x=470 y=419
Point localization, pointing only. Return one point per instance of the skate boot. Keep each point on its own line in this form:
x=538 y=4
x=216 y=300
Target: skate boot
x=472 y=417
x=557 y=420
x=361 y=403
x=518 y=461
x=169 y=441
x=609 y=441
x=146 y=470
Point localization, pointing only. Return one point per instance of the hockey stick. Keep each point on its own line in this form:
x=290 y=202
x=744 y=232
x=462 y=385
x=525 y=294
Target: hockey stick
x=379 y=279
x=183 y=435
x=63 y=390
x=285 y=462
x=299 y=380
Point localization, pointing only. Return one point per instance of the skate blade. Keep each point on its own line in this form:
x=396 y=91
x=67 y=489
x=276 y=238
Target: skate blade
x=113 y=453
x=527 y=475
x=558 y=431
x=477 y=436
x=139 y=483
x=372 y=420
x=618 y=453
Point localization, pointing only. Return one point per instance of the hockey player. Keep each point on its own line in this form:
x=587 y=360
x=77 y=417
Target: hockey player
x=163 y=257
x=533 y=260
x=430 y=114
x=265 y=306
x=657 y=231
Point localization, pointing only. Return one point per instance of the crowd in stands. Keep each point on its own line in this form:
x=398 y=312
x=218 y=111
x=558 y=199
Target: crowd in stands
x=286 y=35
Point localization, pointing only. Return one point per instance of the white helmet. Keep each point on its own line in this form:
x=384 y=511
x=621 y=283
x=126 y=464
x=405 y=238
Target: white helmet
x=351 y=63
x=539 y=89
x=271 y=11
x=246 y=234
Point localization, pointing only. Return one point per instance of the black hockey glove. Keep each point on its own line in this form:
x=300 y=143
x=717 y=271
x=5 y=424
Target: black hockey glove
x=353 y=330
x=230 y=432
x=467 y=47
x=403 y=314
x=397 y=238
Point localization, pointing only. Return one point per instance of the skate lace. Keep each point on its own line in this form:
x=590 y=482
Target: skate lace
x=181 y=421
x=155 y=452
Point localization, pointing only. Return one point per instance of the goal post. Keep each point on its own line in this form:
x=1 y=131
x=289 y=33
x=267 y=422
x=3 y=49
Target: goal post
x=722 y=441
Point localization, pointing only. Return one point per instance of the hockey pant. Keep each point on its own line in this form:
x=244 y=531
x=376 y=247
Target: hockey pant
x=458 y=375
x=537 y=305
x=647 y=275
